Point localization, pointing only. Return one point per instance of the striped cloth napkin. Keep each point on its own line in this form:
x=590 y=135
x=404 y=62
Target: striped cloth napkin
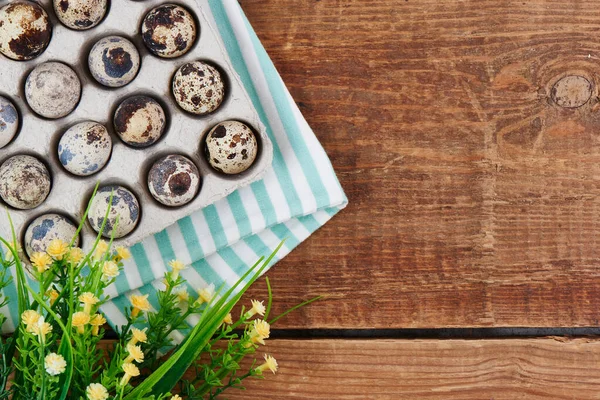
x=298 y=194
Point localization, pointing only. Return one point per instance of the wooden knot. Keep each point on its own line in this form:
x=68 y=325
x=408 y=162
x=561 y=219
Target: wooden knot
x=572 y=91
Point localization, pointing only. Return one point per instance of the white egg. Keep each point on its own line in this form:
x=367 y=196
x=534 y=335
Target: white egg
x=198 y=88
x=174 y=180
x=124 y=213
x=9 y=121
x=114 y=61
x=52 y=90
x=80 y=14
x=85 y=148
x=140 y=121
x=25 y=30
x=169 y=31
x=231 y=147
x=45 y=228
x=24 y=182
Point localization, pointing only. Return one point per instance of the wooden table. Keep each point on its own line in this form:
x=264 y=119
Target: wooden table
x=467 y=137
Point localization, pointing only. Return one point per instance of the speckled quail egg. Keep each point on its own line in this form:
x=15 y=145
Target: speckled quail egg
x=25 y=30
x=45 y=228
x=24 y=182
x=80 y=14
x=85 y=148
x=198 y=88
x=169 y=30
x=125 y=207
x=52 y=90
x=231 y=147
x=174 y=180
x=140 y=121
x=114 y=61
x=9 y=121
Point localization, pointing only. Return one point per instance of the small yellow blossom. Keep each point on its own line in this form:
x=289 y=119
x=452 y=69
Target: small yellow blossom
x=101 y=249
x=176 y=397
x=40 y=329
x=55 y=364
x=88 y=300
x=52 y=295
x=95 y=391
x=177 y=266
x=30 y=317
x=206 y=295
x=269 y=364
x=130 y=371
x=80 y=320
x=135 y=354
x=139 y=303
x=138 y=336
x=75 y=255
x=228 y=319
x=110 y=270
x=257 y=308
x=57 y=249
x=122 y=254
x=41 y=261
x=182 y=295
x=97 y=321
x=260 y=331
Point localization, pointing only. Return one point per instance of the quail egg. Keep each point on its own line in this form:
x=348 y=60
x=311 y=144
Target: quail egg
x=169 y=31
x=25 y=30
x=140 y=121
x=231 y=147
x=45 y=228
x=24 y=182
x=52 y=90
x=198 y=88
x=9 y=121
x=80 y=14
x=114 y=61
x=174 y=180
x=124 y=212
x=85 y=148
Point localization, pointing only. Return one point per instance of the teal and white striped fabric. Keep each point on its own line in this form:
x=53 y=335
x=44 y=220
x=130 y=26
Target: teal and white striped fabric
x=298 y=194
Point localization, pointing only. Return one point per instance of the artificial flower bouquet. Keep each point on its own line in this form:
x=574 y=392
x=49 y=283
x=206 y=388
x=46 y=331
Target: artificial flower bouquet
x=57 y=350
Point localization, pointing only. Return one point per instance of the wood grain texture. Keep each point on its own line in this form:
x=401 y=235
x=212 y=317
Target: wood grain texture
x=434 y=370
x=474 y=197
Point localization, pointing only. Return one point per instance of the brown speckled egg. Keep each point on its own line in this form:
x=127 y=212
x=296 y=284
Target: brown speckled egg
x=231 y=147
x=114 y=61
x=25 y=30
x=125 y=208
x=80 y=14
x=9 y=121
x=198 y=88
x=169 y=31
x=174 y=180
x=52 y=90
x=45 y=228
x=85 y=148
x=140 y=121
x=24 y=182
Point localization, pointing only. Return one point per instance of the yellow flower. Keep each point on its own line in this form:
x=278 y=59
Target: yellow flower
x=80 y=320
x=177 y=267
x=52 y=295
x=88 y=300
x=139 y=303
x=135 y=353
x=95 y=391
x=30 y=317
x=176 y=397
x=130 y=371
x=41 y=261
x=40 y=329
x=55 y=364
x=122 y=254
x=183 y=295
x=97 y=321
x=260 y=331
x=269 y=364
x=138 y=336
x=110 y=270
x=206 y=295
x=228 y=319
x=75 y=255
x=57 y=249
x=101 y=249
x=257 y=308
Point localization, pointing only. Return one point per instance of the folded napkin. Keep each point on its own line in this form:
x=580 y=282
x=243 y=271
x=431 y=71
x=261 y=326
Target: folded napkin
x=298 y=194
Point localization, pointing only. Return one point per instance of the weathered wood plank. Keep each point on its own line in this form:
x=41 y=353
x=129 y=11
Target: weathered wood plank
x=428 y=369
x=474 y=197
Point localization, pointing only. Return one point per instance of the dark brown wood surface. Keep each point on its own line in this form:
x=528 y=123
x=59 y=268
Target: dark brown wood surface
x=537 y=369
x=473 y=174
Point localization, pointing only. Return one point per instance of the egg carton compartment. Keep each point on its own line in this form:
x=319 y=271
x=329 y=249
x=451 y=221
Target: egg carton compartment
x=185 y=133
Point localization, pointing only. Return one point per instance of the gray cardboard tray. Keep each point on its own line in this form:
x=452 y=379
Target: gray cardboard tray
x=128 y=166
